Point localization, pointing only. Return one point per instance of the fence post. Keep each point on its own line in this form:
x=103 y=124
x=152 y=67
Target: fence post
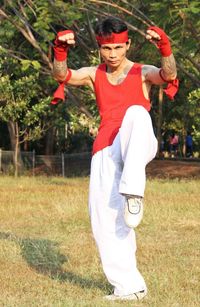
x=0 y=160
x=63 y=164
x=33 y=162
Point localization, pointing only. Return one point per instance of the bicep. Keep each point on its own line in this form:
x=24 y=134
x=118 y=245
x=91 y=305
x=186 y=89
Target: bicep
x=151 y=74
x=81 y=76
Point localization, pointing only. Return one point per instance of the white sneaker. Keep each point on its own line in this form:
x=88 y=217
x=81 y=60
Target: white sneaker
x=131 y=297
x=133 y=211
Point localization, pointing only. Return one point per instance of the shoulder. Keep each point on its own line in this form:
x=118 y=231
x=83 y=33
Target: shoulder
x=87 y=70
x=92 y=72
x=151 y=74
x=101 y=68
x=146 y=69
x=83 y=76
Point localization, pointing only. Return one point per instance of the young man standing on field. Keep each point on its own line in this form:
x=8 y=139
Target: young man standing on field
x=124 y=145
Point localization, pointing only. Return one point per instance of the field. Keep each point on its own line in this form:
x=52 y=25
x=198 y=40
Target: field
x=48 y=256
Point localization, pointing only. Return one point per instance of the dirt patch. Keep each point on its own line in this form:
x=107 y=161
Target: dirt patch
x=173 y=169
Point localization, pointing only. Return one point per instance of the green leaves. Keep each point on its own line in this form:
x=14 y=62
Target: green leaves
x=25 y=72
x=26 y=64
x=21 y=102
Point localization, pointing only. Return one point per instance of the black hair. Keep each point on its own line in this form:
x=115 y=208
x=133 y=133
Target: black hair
x=109 y=25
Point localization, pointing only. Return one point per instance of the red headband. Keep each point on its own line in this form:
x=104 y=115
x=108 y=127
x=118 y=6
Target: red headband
x=114 y=38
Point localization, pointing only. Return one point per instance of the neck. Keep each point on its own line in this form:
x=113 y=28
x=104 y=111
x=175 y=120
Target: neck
x=116 y=70
x=116 y=76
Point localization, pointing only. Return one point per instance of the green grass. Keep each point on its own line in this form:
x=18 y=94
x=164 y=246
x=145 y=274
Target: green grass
x=48 y=256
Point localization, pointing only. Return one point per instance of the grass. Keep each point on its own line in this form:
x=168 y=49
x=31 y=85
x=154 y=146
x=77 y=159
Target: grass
x=48 y=256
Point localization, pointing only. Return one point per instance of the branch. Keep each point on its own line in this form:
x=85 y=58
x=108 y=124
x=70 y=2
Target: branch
x=29 y=37
x=195 y=80
x=122 y=9
x=184 y=55
x=91 y=31
x=14 y=54
x=149 y=21
x=78 y=103
x=104 y=14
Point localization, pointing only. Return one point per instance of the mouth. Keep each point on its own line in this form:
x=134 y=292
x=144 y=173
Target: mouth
x=113 y=62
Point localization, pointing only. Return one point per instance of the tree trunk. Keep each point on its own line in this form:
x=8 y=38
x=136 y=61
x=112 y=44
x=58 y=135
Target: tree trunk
x=16 y=154
x=50 y=138
x=159 y=122
x=11 y=130
x=15 y=147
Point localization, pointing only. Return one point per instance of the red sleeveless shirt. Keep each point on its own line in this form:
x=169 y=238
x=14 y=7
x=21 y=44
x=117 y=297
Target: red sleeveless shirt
x=114 y=100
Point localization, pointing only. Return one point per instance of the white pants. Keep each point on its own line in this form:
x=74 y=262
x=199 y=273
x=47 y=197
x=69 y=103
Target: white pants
x=116 y=170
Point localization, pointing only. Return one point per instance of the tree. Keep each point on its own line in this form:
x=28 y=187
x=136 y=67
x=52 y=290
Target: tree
x=26 y=32
x=28 y=28
x=20 y=108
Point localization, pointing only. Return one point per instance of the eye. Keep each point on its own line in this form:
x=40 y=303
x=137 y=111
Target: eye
x=105 y=48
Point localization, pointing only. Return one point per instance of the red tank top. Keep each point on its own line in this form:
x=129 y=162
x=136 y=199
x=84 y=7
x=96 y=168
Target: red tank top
x=114 y=100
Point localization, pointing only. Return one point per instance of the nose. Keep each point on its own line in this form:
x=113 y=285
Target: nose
x=112 y=53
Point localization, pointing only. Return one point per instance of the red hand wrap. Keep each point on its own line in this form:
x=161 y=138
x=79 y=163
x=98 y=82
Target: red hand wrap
x=172 y=89
x=59 y=94
x=163 y=44
x=61 y=48
x=172 y=86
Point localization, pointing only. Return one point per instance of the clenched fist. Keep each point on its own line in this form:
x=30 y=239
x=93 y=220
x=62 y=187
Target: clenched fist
x=153 y=36
x=158 y=37
x=63 y=40
x=66 y=37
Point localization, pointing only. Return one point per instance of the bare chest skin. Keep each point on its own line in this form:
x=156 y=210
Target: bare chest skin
x=118 y=77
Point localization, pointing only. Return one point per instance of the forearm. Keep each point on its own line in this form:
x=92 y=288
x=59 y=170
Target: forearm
x=63 y=40
x=59 y=70
x=168 y=65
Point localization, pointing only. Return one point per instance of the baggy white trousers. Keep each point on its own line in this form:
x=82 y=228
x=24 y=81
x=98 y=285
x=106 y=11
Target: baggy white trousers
x=120 y=169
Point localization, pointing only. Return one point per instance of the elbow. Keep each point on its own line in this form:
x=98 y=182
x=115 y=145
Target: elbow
x=58 y=76
x=173 y=76
x=168 y=77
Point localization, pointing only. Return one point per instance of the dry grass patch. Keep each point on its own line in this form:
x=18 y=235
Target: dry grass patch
x=48 y=256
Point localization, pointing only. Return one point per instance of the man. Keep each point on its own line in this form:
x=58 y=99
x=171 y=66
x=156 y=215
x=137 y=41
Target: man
x=124 y=145
x=189 y=145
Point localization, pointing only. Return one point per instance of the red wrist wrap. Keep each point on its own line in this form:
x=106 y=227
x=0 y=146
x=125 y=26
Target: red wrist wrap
x=61 y=48
x=163 y=44
x=172 y=89
x=172 y=86
x=59 y=94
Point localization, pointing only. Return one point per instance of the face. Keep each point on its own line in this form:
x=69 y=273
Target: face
x=114 y=54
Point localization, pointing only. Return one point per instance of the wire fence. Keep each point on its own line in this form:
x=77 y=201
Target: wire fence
x=65 y=165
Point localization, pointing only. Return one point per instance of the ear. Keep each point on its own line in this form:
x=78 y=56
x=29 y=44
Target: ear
x=128 y=44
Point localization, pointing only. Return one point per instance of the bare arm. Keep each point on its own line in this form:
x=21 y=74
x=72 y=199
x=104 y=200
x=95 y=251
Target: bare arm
x=83 y=76
x=59 y=70
x=168 y=65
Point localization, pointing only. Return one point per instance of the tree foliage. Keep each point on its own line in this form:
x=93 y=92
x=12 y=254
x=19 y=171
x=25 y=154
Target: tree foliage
x=27 y=29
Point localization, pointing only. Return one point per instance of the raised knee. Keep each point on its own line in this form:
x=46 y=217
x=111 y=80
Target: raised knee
x=136 y=109
x=136 y=113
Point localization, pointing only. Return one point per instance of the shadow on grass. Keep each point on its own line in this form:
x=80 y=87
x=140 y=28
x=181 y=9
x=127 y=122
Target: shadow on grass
x=44 y=256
